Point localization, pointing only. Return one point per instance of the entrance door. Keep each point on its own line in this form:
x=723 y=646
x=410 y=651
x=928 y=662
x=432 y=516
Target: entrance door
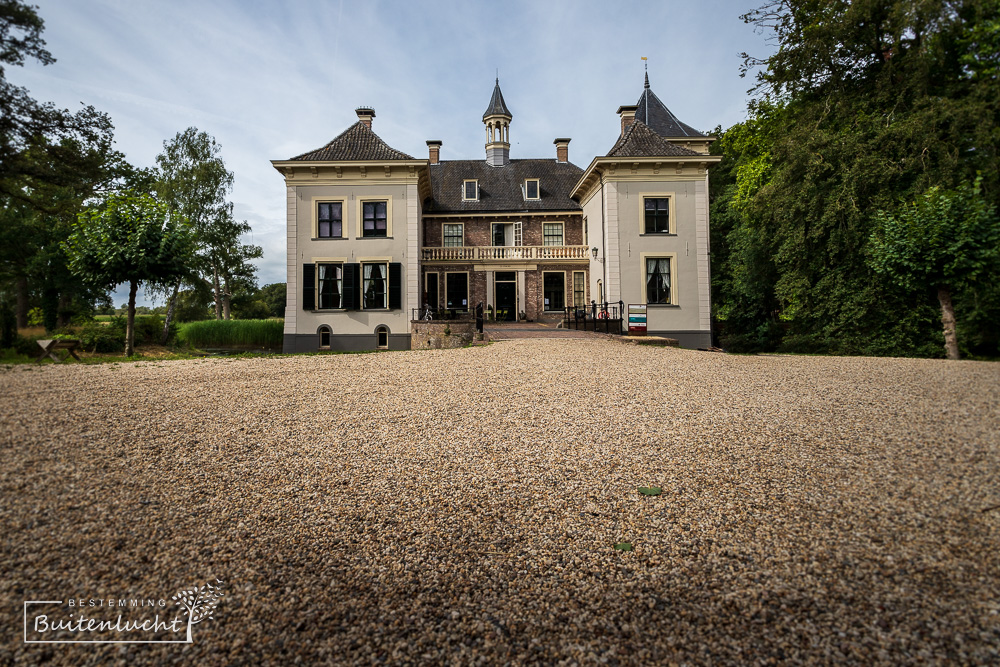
x=505 y=286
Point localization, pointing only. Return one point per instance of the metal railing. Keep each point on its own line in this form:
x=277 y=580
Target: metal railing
x=431 y=314
x=606 y=317
x=504 y=253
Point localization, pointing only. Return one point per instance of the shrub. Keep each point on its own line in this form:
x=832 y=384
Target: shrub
x=149 y=330
x=106 y=338
x=233 y=333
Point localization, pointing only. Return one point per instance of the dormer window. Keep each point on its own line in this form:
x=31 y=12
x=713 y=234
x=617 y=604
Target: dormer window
x=531 y=189
x=470 y=191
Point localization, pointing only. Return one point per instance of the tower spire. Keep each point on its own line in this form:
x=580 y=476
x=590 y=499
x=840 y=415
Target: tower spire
x=645 y=66
x=497 y=120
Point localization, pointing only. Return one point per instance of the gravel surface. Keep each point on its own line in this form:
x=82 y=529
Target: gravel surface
x=463 y=506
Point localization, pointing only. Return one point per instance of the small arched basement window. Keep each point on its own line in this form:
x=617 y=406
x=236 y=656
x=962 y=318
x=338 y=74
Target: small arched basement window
x=324 y=337
x=382 y=334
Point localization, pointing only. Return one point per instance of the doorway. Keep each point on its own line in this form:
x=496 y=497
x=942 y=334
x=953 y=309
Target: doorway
x=505 y=288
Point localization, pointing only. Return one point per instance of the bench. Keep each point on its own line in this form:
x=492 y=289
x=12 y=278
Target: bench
x=49 y=348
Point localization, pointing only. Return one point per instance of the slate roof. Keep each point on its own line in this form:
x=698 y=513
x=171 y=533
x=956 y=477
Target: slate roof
x=657 y=116
x=640 y=141
x=356 y=143
x=497 y=105
x=500 y=187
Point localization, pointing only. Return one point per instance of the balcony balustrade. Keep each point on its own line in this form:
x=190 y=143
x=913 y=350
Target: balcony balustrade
x=505 y=253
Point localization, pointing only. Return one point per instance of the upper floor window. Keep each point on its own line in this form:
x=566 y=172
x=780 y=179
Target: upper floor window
x=531 y=190
x=470 y=191
x=656 y=217
x=552 y=233
x=452 y=234
x=373 y=218
x=329 y=220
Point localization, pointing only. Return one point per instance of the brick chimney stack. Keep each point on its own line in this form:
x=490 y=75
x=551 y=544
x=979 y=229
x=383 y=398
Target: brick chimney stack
x=434 y=150
x=365 y=115
x=562 y=150
x=627 y=114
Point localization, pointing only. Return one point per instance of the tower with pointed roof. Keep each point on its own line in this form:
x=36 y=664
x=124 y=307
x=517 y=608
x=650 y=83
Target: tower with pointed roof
x=497 y=121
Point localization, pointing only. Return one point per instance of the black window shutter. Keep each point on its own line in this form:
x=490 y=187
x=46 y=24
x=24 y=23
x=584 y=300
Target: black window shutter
x=308 y=287
x=352 y=286
x=395 y=286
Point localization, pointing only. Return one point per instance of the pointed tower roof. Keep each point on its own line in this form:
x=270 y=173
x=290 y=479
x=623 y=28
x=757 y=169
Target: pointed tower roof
x=654 y=113
x=497 y=106
x=358 y=142
x=640 y=141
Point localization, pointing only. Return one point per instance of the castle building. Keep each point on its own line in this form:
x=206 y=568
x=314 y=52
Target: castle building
x=376 y=236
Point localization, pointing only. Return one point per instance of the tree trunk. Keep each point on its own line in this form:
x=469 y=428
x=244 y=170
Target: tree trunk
x=218 y=292
x=948 y=322
x=170 y=314
x=22 y=302
x=130 y=320
x=226 y=300
x=63 y=310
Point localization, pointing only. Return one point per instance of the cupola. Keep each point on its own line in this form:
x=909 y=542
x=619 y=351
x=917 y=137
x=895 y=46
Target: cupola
x=497 y=120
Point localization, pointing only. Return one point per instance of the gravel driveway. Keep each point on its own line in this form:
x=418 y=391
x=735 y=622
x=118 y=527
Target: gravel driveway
x=463 y=506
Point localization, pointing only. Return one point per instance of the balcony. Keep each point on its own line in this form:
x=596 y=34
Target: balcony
x=504 y=253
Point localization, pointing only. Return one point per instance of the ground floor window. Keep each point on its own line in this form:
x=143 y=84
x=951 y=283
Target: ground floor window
x=382 y=333
x=324 y=337
x=331 y=283
x=658 y=280
x=431 y=290
x=373 y=285
x=554 y=290
x=579 y=291
x=457 y=296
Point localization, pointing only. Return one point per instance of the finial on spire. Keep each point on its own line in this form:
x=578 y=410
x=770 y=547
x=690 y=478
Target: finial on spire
x=645 y=65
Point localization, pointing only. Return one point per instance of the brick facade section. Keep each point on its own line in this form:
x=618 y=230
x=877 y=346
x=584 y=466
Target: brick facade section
x=479 y=230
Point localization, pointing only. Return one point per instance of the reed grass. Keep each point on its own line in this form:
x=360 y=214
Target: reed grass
x=266 y=334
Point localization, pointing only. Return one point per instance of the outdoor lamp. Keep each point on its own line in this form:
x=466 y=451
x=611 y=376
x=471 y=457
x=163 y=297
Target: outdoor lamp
x=593 y=251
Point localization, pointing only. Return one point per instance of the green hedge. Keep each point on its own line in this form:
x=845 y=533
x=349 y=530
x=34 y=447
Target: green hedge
x=233 y=333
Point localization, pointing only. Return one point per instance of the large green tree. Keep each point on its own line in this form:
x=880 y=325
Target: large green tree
x=945 y=241
x=131 y=239
x=863 y=104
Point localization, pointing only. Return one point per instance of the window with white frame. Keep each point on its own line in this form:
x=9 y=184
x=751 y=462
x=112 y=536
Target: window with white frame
x=470 y=190
x=324 y=337
x=554 y=290
x=658 y=280
x=330 y=285
x=373 y=287
x=579 y=288
x=531 y=189
x=330 y=220
x=452 y=234
x=374 y=219
x=552 y=233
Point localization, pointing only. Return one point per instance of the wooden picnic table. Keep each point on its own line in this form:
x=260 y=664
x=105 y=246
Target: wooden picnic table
x=50 y=346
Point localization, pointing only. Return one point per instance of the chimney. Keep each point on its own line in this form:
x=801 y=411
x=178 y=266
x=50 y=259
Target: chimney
x=562 y=150
x=627 y=114
x=434 y=149
x=365 y=115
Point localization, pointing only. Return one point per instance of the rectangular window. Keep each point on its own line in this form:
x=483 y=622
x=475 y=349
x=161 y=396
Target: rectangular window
x=329 y=220
x=453 y=235
x=373 y=277
x=657 y=215
x=658 y=280
x=457 y=297
x=579 y=295
x=373 y=219
x=552 y=233
x=431 y=291
x=470 y=190
x=554 y=290
x=499 y=234
x=331 y=285
x=531 y=189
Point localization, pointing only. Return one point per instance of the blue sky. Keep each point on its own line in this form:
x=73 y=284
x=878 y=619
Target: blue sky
x=270 y=80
